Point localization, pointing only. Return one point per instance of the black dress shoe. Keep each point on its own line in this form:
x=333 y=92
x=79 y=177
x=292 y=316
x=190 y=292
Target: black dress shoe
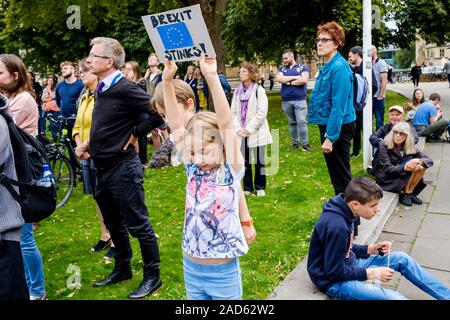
x=115 y=277
x=146 y=288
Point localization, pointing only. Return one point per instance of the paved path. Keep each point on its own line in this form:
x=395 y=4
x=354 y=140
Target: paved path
x=424 y=231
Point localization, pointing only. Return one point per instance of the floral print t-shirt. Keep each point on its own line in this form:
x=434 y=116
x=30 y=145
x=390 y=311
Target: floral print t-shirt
x=212 y=227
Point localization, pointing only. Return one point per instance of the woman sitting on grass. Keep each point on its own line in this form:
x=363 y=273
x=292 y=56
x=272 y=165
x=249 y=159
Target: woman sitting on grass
x=401 y=166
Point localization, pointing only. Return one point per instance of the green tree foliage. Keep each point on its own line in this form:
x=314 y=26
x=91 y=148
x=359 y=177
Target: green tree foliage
x=260 y=30
x=429 y=17
x=38 y=32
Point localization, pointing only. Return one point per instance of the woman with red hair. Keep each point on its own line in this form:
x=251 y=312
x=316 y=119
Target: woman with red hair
x=331 y=105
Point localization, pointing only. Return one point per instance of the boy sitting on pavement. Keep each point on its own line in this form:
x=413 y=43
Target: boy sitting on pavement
x=339 y=268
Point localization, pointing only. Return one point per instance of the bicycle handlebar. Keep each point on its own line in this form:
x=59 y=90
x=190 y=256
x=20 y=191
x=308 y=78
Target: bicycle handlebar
x=60 y=119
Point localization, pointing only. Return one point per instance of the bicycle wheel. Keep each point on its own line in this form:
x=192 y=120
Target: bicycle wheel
x=64 y=177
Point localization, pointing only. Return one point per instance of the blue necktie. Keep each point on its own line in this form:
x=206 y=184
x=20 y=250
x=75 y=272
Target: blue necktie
x=100 y=86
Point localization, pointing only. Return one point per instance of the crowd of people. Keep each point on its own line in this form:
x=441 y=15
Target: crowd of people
x=112 y=109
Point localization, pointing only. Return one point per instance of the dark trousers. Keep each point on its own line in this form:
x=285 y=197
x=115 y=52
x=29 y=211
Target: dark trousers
x=258 y=154
x=358 y=132
x=338 y=161
x=378 y=111
x=120 y=196
x=415 y=80
x=12 y=278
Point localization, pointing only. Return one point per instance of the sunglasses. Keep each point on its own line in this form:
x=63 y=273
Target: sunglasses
x=400 y=133
x=323 y=40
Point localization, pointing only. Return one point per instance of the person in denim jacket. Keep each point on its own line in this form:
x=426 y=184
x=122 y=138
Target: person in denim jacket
x=331 y=105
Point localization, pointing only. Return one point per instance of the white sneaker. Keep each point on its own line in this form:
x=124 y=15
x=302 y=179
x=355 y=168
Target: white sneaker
x=247 y=193
x=260 y=193
x=43 y=297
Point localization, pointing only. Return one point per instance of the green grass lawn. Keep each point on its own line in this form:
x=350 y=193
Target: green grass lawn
x=283 y=219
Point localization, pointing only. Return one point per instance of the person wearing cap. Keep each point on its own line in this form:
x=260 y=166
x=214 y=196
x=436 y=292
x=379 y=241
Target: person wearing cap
x=401 y=165
x=396 y=114
x=355 y=59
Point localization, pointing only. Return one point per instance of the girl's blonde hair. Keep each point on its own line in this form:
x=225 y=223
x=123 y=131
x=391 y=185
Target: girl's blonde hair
x=183 y=92
x=203 y=125
x=408 y=145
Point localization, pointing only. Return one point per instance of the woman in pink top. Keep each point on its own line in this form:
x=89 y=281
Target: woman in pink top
x=14 y=84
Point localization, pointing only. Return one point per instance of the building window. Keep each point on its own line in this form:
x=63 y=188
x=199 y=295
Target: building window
x=441 y=52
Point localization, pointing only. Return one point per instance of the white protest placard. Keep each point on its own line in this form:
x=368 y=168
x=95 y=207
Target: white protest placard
x=179 y=35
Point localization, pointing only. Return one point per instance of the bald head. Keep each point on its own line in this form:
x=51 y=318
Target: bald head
x=374 y=52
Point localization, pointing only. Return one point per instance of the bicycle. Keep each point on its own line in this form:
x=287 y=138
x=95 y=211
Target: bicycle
x=62 y=168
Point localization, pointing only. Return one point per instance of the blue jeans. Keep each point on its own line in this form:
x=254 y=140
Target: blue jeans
x=378 y=111
x=399 y=261
x=296 y=114
x=212 y=281
x=32 y=262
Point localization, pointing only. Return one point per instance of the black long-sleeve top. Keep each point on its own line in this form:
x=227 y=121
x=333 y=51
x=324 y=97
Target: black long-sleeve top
x=115 y=118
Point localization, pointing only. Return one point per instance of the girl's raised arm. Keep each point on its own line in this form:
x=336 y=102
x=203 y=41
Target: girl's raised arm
x=174 y=114
x=208 y=66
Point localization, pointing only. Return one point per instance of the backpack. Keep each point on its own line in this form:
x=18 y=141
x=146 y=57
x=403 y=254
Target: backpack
x=226 y=88
x=360 y=91
x=36 y=202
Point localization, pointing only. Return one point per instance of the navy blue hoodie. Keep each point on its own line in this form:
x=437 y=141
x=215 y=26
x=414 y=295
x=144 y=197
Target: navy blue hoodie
x=331 y=255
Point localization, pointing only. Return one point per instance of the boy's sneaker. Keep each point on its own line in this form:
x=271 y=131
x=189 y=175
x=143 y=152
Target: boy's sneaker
x=294 y=146
x=405 y=199
x=306 y=147
x=43 y=297
x=260 y=193
x=415 y=199
x=355 y=155
x=247 y=193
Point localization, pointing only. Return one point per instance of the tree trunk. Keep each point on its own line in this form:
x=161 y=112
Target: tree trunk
x=214 y=14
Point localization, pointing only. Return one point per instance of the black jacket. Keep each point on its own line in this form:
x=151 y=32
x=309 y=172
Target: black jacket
x=390 y=172
x=115 y=117
x=382 y=132
x=332 y=254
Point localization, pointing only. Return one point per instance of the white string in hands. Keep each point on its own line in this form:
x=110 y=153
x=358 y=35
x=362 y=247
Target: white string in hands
x=389 y=254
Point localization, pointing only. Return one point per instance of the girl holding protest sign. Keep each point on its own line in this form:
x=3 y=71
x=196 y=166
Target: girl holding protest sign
x=218 y=227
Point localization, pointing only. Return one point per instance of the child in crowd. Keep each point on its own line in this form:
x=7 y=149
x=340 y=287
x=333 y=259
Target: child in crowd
x=340 y=268
x=218 y=226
